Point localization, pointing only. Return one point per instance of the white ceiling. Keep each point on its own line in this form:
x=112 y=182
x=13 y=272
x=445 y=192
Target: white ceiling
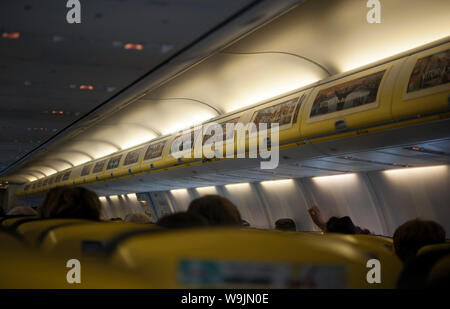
x=314 y=40
x=42 y=71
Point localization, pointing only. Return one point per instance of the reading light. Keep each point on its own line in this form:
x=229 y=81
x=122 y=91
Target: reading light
x=87 y=87
x=11 y=35
x=133 y=46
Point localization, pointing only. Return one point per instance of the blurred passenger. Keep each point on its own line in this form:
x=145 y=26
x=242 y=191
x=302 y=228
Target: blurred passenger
x=285 y=224
x=138 y=218
x=342 y=225
x=65 y=202
x=182 y=220
x=216 y=209
x=22 y=211
x=414 y=234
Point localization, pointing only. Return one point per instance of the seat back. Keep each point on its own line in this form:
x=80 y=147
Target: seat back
x=244 y=258
x=87 y=240
x=22 y=268
x=11 y=222
x=34 y=231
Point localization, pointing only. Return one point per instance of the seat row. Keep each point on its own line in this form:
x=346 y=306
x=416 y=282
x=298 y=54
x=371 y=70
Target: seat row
x=153 y=257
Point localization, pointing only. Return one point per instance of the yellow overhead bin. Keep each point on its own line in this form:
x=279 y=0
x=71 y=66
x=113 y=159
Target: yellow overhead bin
x=130 y=162
x=413 y=85
x=357 y=100
x=423 y=85
x=155 y=154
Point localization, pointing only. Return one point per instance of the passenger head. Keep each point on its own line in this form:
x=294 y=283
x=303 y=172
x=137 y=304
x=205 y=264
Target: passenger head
x=138 y=218
x=285 y=224
x=216 y=209
x=65 y=202
x=22 y=211
x=182 y=220
x=414 y=234
x=342 y=225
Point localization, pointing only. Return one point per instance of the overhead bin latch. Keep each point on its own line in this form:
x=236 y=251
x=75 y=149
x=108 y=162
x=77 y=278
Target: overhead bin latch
x=340 y=125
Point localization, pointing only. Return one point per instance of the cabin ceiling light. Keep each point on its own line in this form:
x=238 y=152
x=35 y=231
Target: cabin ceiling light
x=277 y=182
x=416 y=171
x=86 y=87
x=339 y=177
x=133 y=46
x=11 y=35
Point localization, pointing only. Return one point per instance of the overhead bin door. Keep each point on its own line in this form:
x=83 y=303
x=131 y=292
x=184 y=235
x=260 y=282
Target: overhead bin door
x=155 y=156
x=423 y=86
x=285 y=112
x=358 y=100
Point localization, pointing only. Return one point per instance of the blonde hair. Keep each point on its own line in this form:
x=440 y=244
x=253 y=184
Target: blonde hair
x=138 y=218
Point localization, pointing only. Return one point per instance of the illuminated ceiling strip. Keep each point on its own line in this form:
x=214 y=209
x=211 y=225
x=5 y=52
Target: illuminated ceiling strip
x=414 y=169
x=335 y=177
x=145 y=127
x=278 y=181
x=281 y=53
x=47 y=166
x=98 y=141
x=61 y=160
x=78 y=152
x=218 y=110
x=33 y=172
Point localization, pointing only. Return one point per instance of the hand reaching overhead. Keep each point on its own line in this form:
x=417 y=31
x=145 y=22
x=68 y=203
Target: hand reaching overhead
x=317 y=217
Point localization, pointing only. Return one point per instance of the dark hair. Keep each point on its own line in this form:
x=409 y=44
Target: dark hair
x=216 y=209
x=181 y=220
x=414 y=234
x=342 y=225
x=65 y=202
x=285 y=224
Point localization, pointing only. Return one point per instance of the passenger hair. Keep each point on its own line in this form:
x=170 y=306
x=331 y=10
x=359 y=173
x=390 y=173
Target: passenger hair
x=180 y=220
x=217 y=209
x=342 y=225
x=414 y=234
x=138 y=218
x=66 y=202
x=22 y=211
x=285 y=224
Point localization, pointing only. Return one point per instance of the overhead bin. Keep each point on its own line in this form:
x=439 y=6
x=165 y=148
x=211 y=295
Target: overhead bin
x=353 y=101
x=423 y=84
x=382 y=97
x=130 y=162
x=155 y=155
